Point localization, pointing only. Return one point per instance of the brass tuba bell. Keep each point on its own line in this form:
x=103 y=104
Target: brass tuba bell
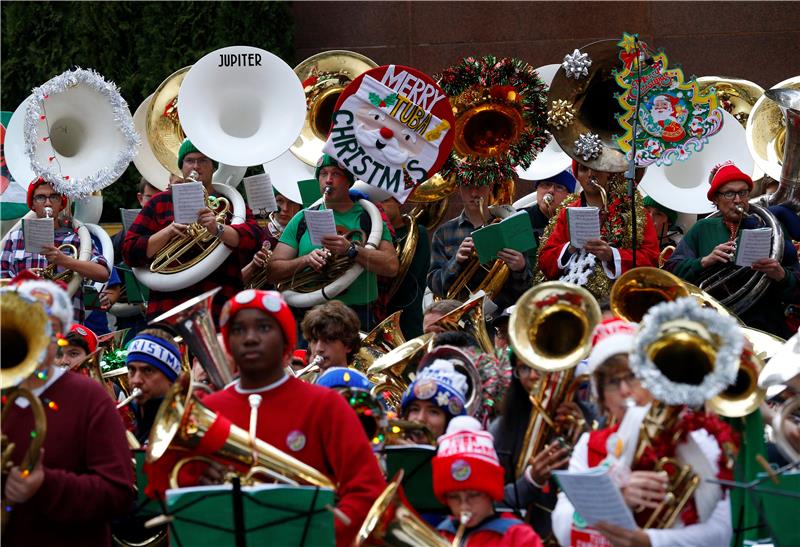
x=24 y=337
x=183 y=421
x=324 y=76
x=469 y=318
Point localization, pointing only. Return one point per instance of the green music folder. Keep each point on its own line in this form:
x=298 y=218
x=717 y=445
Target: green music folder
x=513 y=232
x=415 y=461
x=309 y=191
x=137 y=292
x=781 y=511
x=273 y=515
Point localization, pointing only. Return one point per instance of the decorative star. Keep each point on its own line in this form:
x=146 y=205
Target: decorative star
x=628 y=42
x=576 y=64
x=561 y=114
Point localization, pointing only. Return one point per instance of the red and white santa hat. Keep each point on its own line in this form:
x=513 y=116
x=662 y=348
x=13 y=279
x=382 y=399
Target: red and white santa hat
x=724 y=173
x=466 y=460
x=610 y=337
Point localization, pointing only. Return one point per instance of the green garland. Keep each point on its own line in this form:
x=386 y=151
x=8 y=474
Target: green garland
x=476 y=80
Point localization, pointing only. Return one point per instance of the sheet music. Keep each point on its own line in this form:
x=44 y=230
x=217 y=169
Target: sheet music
x=38 y=232
x=584 y=224
x=753 y=245
x=596 y=498
x=187 y=200
x=320 y=224
x=128 y=216
x=260 y=196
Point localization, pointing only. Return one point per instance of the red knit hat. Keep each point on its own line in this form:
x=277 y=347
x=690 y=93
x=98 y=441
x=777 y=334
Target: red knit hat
x=270 y=302
x=466 y=460
x=88 y=336
x=35 y=183
x=610 y=337
x=724 y=173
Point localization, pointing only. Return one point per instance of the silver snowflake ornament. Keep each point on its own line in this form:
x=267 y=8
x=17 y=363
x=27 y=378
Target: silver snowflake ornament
x=576 y=64
x=588 y=146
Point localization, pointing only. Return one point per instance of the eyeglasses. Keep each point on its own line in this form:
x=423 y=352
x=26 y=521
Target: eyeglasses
x=730 y=194
x=42 y=198
x=197 y=161
x=616 y=382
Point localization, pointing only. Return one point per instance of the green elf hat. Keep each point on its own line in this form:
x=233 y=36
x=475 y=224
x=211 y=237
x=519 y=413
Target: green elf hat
x=328 y=161
x=186 y=148
x=672 y=216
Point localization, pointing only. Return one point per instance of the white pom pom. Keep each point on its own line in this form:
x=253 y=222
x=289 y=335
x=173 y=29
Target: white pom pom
x=463 y=423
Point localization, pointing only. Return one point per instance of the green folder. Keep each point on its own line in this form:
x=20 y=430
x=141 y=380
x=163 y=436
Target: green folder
x=780 y=511
x=513 y=232
x=273 y=515
x=415 y=461
x=309 y=191
x=136 y=291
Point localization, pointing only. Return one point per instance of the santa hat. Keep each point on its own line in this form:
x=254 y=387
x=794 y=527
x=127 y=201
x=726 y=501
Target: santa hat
x=440 y=384
x=86 y=335
x=271 y=303
x=53 y=297
x=466 y=460
x=609 y=338
x=724 y=173
x=35 y=183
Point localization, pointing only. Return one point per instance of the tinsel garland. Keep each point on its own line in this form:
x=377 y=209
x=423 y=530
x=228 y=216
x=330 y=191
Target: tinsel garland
x=50 y=171
x=477 y=80
x=495 y=373
x=728 y=341
x=615 y=229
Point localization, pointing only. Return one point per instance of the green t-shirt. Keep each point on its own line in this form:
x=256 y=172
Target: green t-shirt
x=365 y=287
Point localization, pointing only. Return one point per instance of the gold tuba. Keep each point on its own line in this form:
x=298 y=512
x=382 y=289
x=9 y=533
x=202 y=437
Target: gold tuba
x=469 y=318
x=193 y=321
x=736 y=96
x=183 y=421
x=392 y=521
x=324 y=76
x=744 y=395
x=396 y=370
x=430 y=200
x=550 y=330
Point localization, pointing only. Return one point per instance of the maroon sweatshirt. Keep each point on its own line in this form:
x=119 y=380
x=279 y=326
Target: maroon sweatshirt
x=87 y=465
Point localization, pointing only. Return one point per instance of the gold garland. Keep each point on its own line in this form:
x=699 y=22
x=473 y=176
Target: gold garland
x=619 y=212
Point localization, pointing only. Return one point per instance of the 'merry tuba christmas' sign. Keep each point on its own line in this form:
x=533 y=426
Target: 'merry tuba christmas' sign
x=392 y=128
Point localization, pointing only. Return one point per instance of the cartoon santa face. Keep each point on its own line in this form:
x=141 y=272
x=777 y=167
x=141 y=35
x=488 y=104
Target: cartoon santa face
x=384 y=138
x=662 y=109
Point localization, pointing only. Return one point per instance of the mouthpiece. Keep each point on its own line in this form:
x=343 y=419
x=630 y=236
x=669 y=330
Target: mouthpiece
x=328 y=190
x=548 y=198
x=630 y=402
x=48 y=212
x=134 y=394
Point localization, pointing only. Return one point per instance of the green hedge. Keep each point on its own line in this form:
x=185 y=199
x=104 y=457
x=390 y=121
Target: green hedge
x=134 y=44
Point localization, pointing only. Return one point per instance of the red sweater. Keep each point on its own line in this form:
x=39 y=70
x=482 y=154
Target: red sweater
x=646 y=252
x=503 y=530
x=325 y=433
x=87 y=465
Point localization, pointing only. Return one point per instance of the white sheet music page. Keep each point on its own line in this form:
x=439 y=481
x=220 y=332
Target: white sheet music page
x=128 y=216
x=187 y=200
x=320 y=224
x=584 y=224
x=260 y=196
x=595 y=497
x=753 y=245
x=38 y=232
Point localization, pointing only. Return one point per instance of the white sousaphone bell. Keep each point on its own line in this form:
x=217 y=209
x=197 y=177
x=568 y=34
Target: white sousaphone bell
x=284 y=172
x=240 y=106
x=683 y=185
x=766 y=131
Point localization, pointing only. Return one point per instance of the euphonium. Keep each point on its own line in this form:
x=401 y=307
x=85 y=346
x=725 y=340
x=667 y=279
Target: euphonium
x=397 y=369
x=168 y=258
x=310 y=280
x=469 y=318
x=382 y=339
x=182 y=422
x=391 y=521
x=193 y=321
x=550 y=331
x=49 y=272
x=430 y=200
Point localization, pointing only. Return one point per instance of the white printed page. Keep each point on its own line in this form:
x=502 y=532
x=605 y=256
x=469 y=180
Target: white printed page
x=187 y=199
x=753 y=245
x=584 y=225
x=260 y=196
x=320 y=224
x=38 y=232
x=596 y=498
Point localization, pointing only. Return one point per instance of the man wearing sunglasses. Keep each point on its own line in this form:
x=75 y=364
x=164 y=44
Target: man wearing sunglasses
x=45 y=201
x=711 y=244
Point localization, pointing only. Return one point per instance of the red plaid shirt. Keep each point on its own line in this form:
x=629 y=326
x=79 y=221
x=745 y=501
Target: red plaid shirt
x=156 y=215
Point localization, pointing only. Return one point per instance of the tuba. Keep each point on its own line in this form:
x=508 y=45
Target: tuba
x=550 y=330
x=392 y=521
x=25 y=338
x=773 y=137
x=323 y=77
x=183 y=421
x=430 y=200
x=685 y=355
x=469 y=318
x=193 y=321
x=395 y=370
x=783 y=369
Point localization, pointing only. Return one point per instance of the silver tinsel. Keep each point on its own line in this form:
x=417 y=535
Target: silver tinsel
x=588 y=146
x=576 y=64
x=725 y=329
x=80 y=188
